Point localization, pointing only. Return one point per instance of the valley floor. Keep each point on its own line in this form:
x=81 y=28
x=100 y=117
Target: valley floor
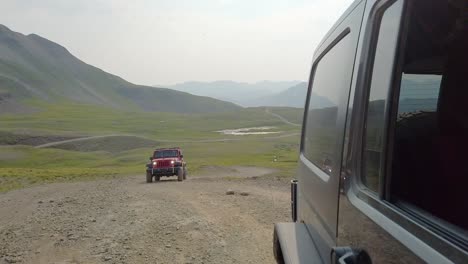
x=126 y=220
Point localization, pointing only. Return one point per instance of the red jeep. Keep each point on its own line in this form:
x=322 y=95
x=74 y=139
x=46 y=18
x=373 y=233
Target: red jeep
x=166 y=162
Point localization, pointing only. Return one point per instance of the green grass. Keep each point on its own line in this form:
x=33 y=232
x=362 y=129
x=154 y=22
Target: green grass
x=111 y=144
x=69 y=118
x=22 y=166
x=14 y=178
x=292 y=114
x=245 y=153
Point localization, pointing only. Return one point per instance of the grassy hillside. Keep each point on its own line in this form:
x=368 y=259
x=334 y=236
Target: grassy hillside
x=84 y=120
x=22 y=166
x=132 y=137
x=291 y=114
x=34 y=68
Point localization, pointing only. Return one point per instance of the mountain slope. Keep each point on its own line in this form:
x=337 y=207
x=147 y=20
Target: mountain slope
x=32 y=67
x=236 y=92
x=292 y=97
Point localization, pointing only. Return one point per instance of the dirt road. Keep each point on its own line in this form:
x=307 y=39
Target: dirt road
x=281 y=118
x=126 y=220
x=83 y=139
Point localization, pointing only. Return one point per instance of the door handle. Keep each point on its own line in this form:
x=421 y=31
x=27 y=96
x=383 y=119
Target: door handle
x=348 y=255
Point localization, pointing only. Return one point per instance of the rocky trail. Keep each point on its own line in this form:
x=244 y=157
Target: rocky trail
x=125 y=220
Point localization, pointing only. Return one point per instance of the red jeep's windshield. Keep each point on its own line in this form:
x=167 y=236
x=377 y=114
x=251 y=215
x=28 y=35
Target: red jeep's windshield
x=165 y=154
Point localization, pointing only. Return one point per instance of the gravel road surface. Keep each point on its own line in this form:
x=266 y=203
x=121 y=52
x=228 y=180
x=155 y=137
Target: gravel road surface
x=125 y=220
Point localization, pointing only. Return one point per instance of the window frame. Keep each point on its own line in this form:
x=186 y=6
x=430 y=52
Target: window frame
x=377 y=206
x=432 y=223
x=378 y=16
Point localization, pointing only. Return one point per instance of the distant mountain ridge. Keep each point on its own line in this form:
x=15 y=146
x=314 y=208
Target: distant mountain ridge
x=266 y=93
x=294 y=97
x=32 y=67
x=237 y=92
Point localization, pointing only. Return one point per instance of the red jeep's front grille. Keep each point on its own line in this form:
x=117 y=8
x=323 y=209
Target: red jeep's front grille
x=163 y=164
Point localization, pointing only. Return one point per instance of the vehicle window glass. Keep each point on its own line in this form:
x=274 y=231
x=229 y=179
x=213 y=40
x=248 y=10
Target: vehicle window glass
x=171 y=153
x=430 y=136
x=380 y=84
x=331 y=81
x=165 y=154
x=428 y=177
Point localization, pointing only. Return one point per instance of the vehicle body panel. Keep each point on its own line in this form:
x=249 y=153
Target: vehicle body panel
x=331 y=202
x=318 y=192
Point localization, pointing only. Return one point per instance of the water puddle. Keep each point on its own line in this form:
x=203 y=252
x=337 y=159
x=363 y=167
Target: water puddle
x=249 y=131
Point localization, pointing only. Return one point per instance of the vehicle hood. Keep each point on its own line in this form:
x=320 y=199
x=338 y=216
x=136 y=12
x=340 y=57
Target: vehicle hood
x=164 y=159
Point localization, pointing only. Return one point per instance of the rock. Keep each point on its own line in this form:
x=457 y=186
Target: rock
x=168 y=233
x=51 y=201
x=244 y=194
x=40 y=201
x=230 y=192
x=107 y=258
x=12 y=259
x=168 y=246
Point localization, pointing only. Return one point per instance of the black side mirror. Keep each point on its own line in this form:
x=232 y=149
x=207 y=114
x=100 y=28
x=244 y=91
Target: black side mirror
x=151 y=158
x=181 y=156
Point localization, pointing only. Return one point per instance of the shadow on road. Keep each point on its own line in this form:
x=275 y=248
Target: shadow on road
x=160 y=181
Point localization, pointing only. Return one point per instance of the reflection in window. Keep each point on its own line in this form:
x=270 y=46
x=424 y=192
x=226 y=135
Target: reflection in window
x=429 y=176
x=380 y=84
x=419 y=93
x=331 y=82
x=429 y=138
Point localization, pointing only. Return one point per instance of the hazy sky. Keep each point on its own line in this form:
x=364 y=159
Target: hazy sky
x=169 y=41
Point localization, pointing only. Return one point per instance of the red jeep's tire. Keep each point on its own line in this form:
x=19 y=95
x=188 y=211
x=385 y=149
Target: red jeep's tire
x=149 y=177
x=157 y=178
x=180 y=175
x=185 y=173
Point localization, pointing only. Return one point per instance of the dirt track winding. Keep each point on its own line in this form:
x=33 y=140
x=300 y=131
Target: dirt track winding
x=284 y=120
x=58 y=143
x=125 y=220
